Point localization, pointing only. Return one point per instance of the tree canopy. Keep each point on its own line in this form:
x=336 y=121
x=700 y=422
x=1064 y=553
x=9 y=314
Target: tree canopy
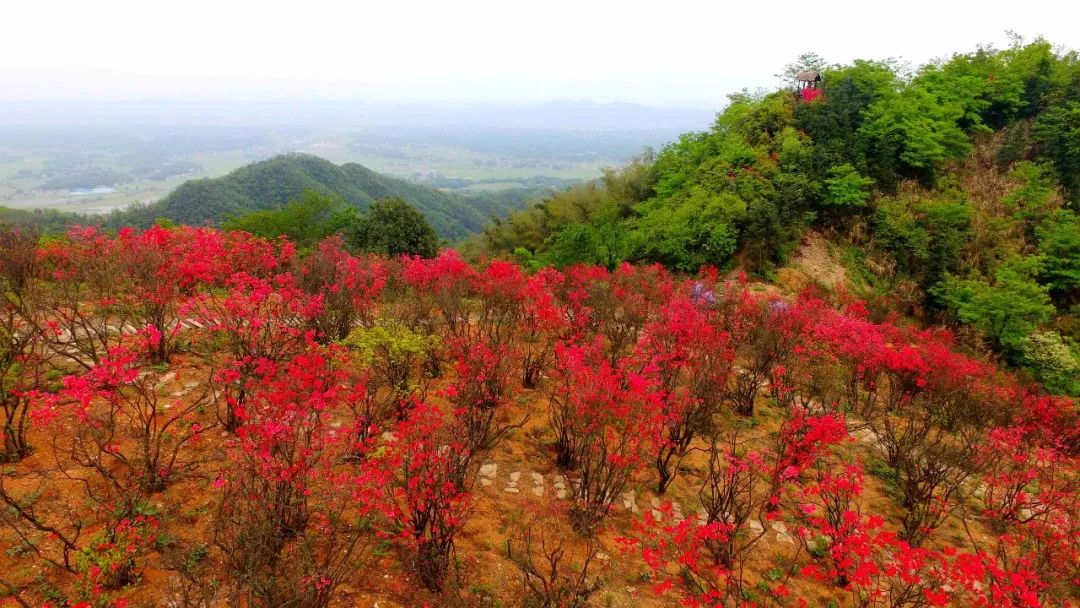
x=393 y=227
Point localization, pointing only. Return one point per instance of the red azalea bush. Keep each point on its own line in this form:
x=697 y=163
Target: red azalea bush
x=255 y=322
x=602 y=415
x=688 y=356
x=348 y=288
x=428 y=473
x=290 y=524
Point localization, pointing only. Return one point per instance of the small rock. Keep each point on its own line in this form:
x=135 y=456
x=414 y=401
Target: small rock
x=490 y=469
x=516 y=475
x=511 y=489
x=538 y=479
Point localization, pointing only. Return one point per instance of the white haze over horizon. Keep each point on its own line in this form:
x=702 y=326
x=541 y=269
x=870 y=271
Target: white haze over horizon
x=673 y=53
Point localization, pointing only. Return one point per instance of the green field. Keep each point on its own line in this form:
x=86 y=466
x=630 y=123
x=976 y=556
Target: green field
x=134 y=164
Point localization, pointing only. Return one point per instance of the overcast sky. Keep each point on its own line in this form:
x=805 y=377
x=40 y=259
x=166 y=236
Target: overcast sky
x=662 y=52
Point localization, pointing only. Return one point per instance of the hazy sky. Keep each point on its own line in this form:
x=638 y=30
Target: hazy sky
x=658 y=52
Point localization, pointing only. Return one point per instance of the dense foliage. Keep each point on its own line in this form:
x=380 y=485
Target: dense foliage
x=957 y=179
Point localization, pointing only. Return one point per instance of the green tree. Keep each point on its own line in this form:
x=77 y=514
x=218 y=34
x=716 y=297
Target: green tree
x=834 y=120
x=1059 y=244
x=846 y=188
x=926 y=238
x=1034 y=199
x=911 y=134
x=305 y=221
x=1007 y=309
x=1057 y=131
x=694 y=232
x=602 y=243
x=393 y=227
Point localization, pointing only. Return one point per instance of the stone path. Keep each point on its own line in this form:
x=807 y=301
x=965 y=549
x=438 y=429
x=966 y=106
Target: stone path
x=516 y=482
x=188 y=388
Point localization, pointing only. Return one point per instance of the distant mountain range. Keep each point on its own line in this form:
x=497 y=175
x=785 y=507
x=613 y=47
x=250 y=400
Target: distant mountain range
x=271 y=183
x=551 y=115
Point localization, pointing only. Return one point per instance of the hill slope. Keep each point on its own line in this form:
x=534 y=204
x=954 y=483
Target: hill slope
x=271 y=183
x=953 y=195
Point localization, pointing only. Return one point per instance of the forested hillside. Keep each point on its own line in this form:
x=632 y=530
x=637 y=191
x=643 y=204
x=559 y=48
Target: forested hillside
x=272 y=183
x=950 y=191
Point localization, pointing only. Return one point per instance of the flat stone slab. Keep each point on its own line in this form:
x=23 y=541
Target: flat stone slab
x=167 y=378
x=866 y=435
x=782 y=532
x=560 y=486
